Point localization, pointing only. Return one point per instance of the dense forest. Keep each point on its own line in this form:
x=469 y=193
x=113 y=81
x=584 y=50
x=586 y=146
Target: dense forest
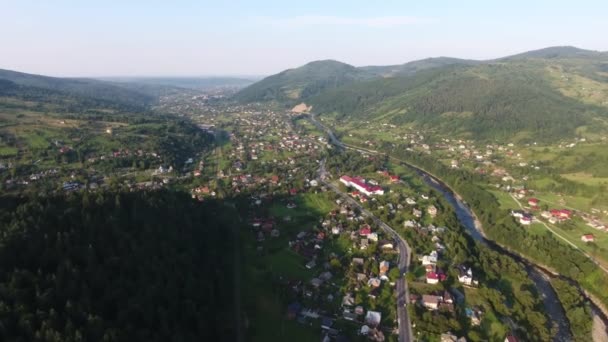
x=110 y=266
x=493 y=101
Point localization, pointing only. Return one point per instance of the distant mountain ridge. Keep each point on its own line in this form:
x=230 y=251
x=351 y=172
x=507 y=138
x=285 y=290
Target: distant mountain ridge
x=542 y=94
x=75 y=87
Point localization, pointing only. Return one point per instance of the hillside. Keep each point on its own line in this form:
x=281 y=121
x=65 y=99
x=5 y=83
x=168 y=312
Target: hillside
x=198 y=83
x=294 y=85
x=411 y=68
x=111 y=266
x=539 y=95
x=76 y=88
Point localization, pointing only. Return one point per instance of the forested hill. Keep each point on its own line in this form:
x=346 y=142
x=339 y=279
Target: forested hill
x=77 y=89
x=538 y=95
x=294 y=85
x=144 y=266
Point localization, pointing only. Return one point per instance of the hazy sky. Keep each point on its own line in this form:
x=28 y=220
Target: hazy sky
x=222 y=37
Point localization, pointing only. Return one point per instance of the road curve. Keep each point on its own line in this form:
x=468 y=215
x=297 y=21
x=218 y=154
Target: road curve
x=402 y=292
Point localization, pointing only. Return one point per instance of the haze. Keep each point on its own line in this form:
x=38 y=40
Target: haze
x=186 y=38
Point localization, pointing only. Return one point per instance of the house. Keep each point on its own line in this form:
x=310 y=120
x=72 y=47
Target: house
x=386 y=245
x=374 y=282
x=561 y=214
x=431 y=302
x=359 y=310
x=417 y=213
x=432 y=210
x=364 y=243
x=448 y=337
x=465 y=275
x=349 y=316
x=511 y=338
x=358 y=261
x=360 y=184
x=409 y=224
x=348 y=300
x=365 y=230
x=373 y=237
x=410 y=201
x=474 y=315
x=533 y=202
x=430 y=259
x=526 y=219
x=316 y=282
x=588 y=238
x=384 y=266
x=434 y=277
x=373 y=318
x=394 y=178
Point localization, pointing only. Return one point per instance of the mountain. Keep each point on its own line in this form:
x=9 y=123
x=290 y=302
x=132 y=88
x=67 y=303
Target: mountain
x=411 y=68
x=197 y=83
x=539 y=95
x=81 y=88
x=295 y=85
x=556 y=52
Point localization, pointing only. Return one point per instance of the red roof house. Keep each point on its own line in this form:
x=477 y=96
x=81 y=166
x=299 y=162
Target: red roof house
x=533 y=202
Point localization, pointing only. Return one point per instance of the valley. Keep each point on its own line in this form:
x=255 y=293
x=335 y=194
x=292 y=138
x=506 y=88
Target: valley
x=436 y=200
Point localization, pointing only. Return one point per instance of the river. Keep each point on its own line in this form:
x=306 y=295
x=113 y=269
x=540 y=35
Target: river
x=541 y=279
x=553 y=307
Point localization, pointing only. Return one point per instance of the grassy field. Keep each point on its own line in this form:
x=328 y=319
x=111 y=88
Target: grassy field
x=571 y=230
x=505 y=200
x=586 y=178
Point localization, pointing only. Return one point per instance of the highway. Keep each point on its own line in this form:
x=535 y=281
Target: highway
x=402 y=292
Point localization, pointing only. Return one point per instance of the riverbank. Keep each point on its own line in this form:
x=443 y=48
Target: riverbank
x=475 y=228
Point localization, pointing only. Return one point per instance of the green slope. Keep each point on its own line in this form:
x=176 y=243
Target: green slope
x=81 y=88
x=294 y=85
x=539 y=95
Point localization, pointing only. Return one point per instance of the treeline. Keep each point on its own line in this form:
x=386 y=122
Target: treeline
x=500 y=226
x=577 y=310
x=76 y=100
x=112 y=266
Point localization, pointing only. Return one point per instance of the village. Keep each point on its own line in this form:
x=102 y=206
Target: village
x=335 y=269
x=517 y=175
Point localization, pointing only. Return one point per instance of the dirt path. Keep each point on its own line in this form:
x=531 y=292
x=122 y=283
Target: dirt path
x=600 y=331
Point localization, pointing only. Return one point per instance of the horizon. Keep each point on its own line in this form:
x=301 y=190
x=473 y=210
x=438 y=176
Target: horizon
x=111 y=77
x=190 y=39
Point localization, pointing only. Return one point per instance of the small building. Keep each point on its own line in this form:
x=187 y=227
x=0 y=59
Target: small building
x=431 y=302
x=373 y=318
x=432 y=210
x=588 y=238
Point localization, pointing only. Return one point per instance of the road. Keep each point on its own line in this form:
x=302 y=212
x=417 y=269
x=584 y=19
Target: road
x=402 y=292
x=563 y=238
x=549 y=297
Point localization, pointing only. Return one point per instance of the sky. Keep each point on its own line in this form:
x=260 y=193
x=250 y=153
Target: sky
x=223 y=37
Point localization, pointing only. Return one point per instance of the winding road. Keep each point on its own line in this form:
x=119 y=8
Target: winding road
x=552 y=305
x=402 y=292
